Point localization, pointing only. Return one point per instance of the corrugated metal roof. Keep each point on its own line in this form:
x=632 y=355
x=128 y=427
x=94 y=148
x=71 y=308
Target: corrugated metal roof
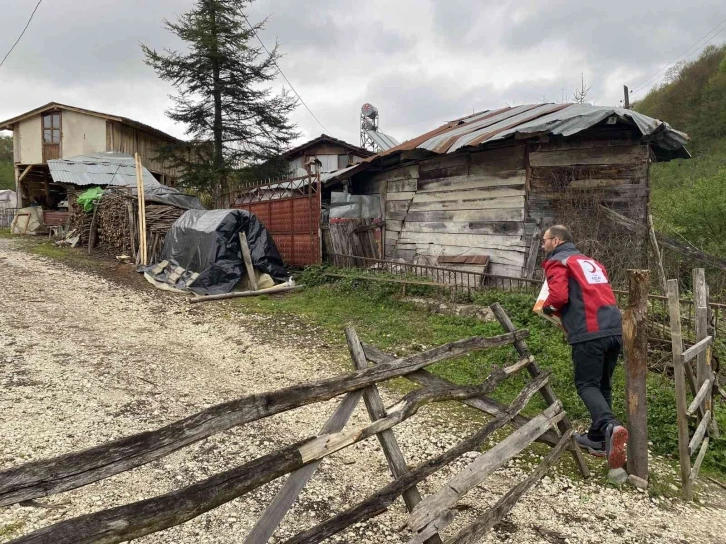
x=109 y=168
x=532 y=120
x=383 y=141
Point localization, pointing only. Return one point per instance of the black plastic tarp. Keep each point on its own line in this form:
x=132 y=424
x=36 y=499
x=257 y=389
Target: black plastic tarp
x=207 y=242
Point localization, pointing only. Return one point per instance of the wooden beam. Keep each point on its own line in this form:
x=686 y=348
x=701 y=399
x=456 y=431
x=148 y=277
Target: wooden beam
x=695 y=349
x=433 y=506
x=705 y=390
x=247 y=258
x=376 y=410
x=280 y=288
x=380 y=501
x=656 y=251
x=699 y=460
x=25 y=172
x=533 y=252
x=474 y=532
x=50 y=476
x=283 y=501
x=674 y=313
x=635 y=342
x=547 y=392
x=699 y=434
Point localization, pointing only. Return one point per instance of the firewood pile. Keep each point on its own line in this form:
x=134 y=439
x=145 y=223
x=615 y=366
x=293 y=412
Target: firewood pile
x=159 y=218
x=80 y=222
x=114 y=233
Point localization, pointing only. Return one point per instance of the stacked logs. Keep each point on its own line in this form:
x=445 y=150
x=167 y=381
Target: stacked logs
x=114 y=234
x=80 y=221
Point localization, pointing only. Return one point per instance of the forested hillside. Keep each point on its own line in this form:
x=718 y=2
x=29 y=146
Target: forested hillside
x=7 y=178
x=689 y=196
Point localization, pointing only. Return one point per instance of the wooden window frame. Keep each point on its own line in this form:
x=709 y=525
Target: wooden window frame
x=52 y=128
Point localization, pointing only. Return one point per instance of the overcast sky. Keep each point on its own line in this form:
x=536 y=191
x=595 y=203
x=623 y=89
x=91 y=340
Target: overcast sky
x=421 y=62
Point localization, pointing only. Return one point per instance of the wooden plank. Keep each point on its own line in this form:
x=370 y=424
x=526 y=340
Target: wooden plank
x=699 y=460
x=469 y=194
x=403 y=185
x=394 y=174
x=283 y=501
x=449 y=160
x=496 y=155
x=506 y=228
x=396 y=206
x=534 y=246
x=699 y=434
x=494 y=241
x=25 y=172
x=376 y=411
x=247 y=259
x=502 y=203
x=705 y=390
x=394 y=226
x=433 y=506
x=700 y=347
x=50 y=476
x=700 y=302
x=657 y=253
x=393 y=196
x=547 y=392
x=484 y=404
x=474 y=532
x=497 y=166
x=514 y=214
x=674 y=313
x=383 y=499
x=605 y=155
x=480 y=181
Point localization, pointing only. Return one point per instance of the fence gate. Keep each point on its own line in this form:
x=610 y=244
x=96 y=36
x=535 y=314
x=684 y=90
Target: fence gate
x=290 y=210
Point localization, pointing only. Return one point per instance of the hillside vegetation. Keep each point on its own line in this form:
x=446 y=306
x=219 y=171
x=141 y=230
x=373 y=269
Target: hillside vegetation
x=689 y=196
x=7 y=177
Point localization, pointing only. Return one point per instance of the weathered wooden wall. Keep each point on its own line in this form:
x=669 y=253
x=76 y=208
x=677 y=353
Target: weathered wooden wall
x=491 y=202
x=127 y=139
x=567 y=183
x=458 y=204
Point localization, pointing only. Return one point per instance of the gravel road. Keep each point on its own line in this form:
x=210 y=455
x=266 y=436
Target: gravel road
x=86 y=358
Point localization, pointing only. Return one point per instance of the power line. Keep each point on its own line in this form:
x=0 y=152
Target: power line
x=687 y=52
x=282 y=73
x=21 y=34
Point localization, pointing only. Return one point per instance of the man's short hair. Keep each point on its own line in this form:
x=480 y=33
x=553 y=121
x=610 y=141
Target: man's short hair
x=561 y=232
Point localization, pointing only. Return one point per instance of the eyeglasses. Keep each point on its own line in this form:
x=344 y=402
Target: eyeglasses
x=550 y=238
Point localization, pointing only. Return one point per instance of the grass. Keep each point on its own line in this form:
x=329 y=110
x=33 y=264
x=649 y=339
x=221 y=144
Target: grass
x=10 y=529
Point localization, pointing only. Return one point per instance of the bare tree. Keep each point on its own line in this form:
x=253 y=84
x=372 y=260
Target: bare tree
x=580 y=94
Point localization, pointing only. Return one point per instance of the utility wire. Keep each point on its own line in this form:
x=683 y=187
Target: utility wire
x=687 y=52
x=21 y=34
x=282 y=73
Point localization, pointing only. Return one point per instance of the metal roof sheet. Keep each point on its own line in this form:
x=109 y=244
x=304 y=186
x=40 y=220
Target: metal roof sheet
x=110 y=168
x=383 y=141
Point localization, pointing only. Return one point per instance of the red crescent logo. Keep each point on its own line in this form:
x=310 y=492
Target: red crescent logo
x=593 y=267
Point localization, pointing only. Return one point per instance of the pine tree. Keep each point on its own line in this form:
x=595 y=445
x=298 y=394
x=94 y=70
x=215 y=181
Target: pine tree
x=233 y=120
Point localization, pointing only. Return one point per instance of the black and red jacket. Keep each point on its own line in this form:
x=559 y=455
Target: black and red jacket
x=581 y=294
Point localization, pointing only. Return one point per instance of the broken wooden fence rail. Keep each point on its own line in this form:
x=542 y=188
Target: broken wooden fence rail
x=277 y=289
x=382 y=499
x=429 y=515
x=151 y=515
x=47 y=477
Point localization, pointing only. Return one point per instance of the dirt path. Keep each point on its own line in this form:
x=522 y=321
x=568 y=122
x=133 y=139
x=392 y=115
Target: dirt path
x=84 y=359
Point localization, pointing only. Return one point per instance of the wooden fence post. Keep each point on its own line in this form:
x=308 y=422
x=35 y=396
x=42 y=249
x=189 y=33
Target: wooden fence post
x=674 y=313
x=635 y=341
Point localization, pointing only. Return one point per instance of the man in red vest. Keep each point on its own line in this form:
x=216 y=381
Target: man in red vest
x=581 y=295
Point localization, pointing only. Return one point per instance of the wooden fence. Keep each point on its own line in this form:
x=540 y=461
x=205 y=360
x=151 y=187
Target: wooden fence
x=701 y=385
x=428 y=516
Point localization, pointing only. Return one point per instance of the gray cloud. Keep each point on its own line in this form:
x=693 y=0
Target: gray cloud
x=421 y=62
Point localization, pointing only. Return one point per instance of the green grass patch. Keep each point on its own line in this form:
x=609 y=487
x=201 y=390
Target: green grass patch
x=381 y=318
x=11 y=529
x=5 y=233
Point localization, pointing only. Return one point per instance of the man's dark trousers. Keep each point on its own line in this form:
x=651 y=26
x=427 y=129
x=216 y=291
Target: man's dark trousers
x=595 y=362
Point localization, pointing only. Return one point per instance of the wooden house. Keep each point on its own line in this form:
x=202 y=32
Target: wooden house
x=58 y=131
x=477 y=193
x=332 y=153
